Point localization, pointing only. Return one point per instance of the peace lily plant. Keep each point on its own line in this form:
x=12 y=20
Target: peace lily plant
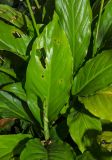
x=56 y=78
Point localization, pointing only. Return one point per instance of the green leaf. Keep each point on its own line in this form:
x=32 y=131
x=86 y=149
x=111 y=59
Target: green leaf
x=54 y=151
x=32 y=100
x=16 y=18
x=95 y=75
x=14 y=40
x=100 y=104
x=16 y=89
x=105 y=146
x=11 y=15
x=8 y=143
x=86 y=156
x=11 y=107
x=75 y=18
x=49 y=72
x=105 y=136
x=8 y=71
x=105 y=28
x=80 y=124
x=5 y=79
x=5 y=66
x=105 y=156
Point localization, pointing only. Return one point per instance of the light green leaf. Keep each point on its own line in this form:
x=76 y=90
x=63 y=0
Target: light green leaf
x=35 y=150
x=32 y=101
x=95 y=75
x=80 y=124
x=100 y=104
x=75 y=18
x=49 y=72
x=5 y=79
x=106 y=137
x=11 y=107
x=16 y=88
x=105 y=28
x=14 y=40
x=8 y=144
x=105 y=145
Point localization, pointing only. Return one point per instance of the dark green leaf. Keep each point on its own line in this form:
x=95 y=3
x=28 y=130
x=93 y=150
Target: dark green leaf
x=86 y=156
x=8 y=71
x=54 y=151
x=105 y=28
x=16 y=18
x=96 y=7
x=5 y=79
x=11 y=107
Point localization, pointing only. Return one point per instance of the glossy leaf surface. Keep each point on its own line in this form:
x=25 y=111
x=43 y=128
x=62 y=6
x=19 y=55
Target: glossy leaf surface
x=54 y=151
x=75 y=18
x=80 y=124
x=15 y=17
x=9 y=14
x=16 y=89
x=14 y=40
x=100 y=104
x=49 y=71
x=8 y=71
x=8 y=144
x=5 y=79
x=95 y=75
x=105 y=28
x=11 y=107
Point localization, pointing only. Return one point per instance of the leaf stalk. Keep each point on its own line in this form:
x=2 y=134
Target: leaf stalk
x=32 y=17
x=46 y=121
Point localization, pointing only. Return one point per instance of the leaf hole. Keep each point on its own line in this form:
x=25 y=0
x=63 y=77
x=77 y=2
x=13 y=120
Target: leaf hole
x=43 y=57
x=16 y=34
x=42 y=76
x=57 y=41
x=103 y=142
x=60 y=81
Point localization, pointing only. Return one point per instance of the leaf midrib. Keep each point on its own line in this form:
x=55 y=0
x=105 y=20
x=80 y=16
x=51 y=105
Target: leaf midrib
x=84 y=86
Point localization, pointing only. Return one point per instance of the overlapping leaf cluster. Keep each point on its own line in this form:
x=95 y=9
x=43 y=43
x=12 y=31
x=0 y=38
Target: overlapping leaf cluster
x=56 y=76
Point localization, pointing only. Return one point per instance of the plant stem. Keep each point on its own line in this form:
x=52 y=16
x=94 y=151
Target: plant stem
x=46 y=121
x=37 y=4
x=98 y=25
x=32 y=16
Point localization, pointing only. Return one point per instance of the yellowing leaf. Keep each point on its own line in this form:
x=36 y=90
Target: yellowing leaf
x=100 y=104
